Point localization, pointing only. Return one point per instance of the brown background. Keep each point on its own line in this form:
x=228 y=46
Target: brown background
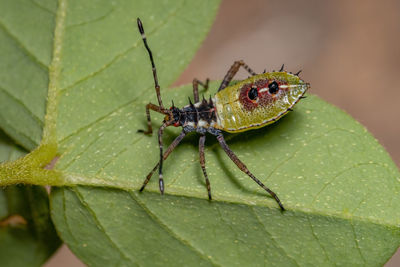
x=349 y=50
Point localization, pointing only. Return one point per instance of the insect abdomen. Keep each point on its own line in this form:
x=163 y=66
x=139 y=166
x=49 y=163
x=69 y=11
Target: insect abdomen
x=232 y=117
x=251 y=104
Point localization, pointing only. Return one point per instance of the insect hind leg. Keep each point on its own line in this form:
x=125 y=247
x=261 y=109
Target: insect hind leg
x=244 y=169
x=232 y=72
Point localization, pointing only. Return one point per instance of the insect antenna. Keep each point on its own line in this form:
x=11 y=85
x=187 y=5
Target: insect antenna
x=156 y=85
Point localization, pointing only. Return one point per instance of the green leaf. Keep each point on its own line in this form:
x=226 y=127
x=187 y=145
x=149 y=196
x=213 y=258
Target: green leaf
x=340 y=187
x=27 y=234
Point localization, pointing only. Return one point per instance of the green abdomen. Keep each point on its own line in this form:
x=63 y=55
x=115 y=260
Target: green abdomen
x=239 y=110
x=233 y=118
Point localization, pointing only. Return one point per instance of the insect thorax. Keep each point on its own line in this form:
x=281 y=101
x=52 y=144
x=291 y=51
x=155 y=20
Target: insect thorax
x=199 y=117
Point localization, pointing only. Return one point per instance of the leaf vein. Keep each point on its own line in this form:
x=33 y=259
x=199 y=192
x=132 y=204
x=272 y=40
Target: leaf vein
x=175 y=235
x=338 y=175
x=66 y=217
x=317 y=239
x=311 y=139
x=11 y=126
x=180 y=175
x=271 y=236
x=120 y=55
x=117 y=155
x=76 y=132
x=98 y=223
x=36 y=118
x=42 y=7
x=357 y=243
x=23 y=47
x=75 y=158
x=100 y=18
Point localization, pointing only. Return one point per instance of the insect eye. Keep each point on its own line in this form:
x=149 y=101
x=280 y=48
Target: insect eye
x=273 y=87
x=253 y=93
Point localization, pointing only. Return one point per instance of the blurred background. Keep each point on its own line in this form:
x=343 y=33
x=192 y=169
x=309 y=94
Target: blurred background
x=348 y=50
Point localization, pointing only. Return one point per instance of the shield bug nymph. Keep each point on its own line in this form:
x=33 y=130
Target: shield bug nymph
x=252 y=103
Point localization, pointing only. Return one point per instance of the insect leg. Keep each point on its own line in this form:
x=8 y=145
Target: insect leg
x=160 y=143
x=203 y=163
x=156 y=109
x=196 y=88
x=232 y=72
x=170 y=148
x=156 y=85
x=244 y=169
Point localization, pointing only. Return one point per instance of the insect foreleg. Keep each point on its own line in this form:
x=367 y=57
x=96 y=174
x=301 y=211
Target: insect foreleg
x=232 y=72
x=160 y=143
x=170 y=148
x=244 y=169
x=196 y=88
x=149 y=107
x=203 y=163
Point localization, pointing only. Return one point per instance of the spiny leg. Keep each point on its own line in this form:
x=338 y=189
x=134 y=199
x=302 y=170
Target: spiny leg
x=156 y=85
x=203 y=163
x=232 y=72
x=156 y=109
x=196 y=88
x=170 y=148
x=244 y=169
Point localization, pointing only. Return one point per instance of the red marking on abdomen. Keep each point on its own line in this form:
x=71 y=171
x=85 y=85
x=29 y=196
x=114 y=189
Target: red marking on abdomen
x=264 y=98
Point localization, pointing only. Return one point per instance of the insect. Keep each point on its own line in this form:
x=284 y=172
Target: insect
x=252 y=103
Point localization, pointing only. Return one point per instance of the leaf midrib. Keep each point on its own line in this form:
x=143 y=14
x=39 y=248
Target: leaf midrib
x=49 y=130
x=188 y=193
